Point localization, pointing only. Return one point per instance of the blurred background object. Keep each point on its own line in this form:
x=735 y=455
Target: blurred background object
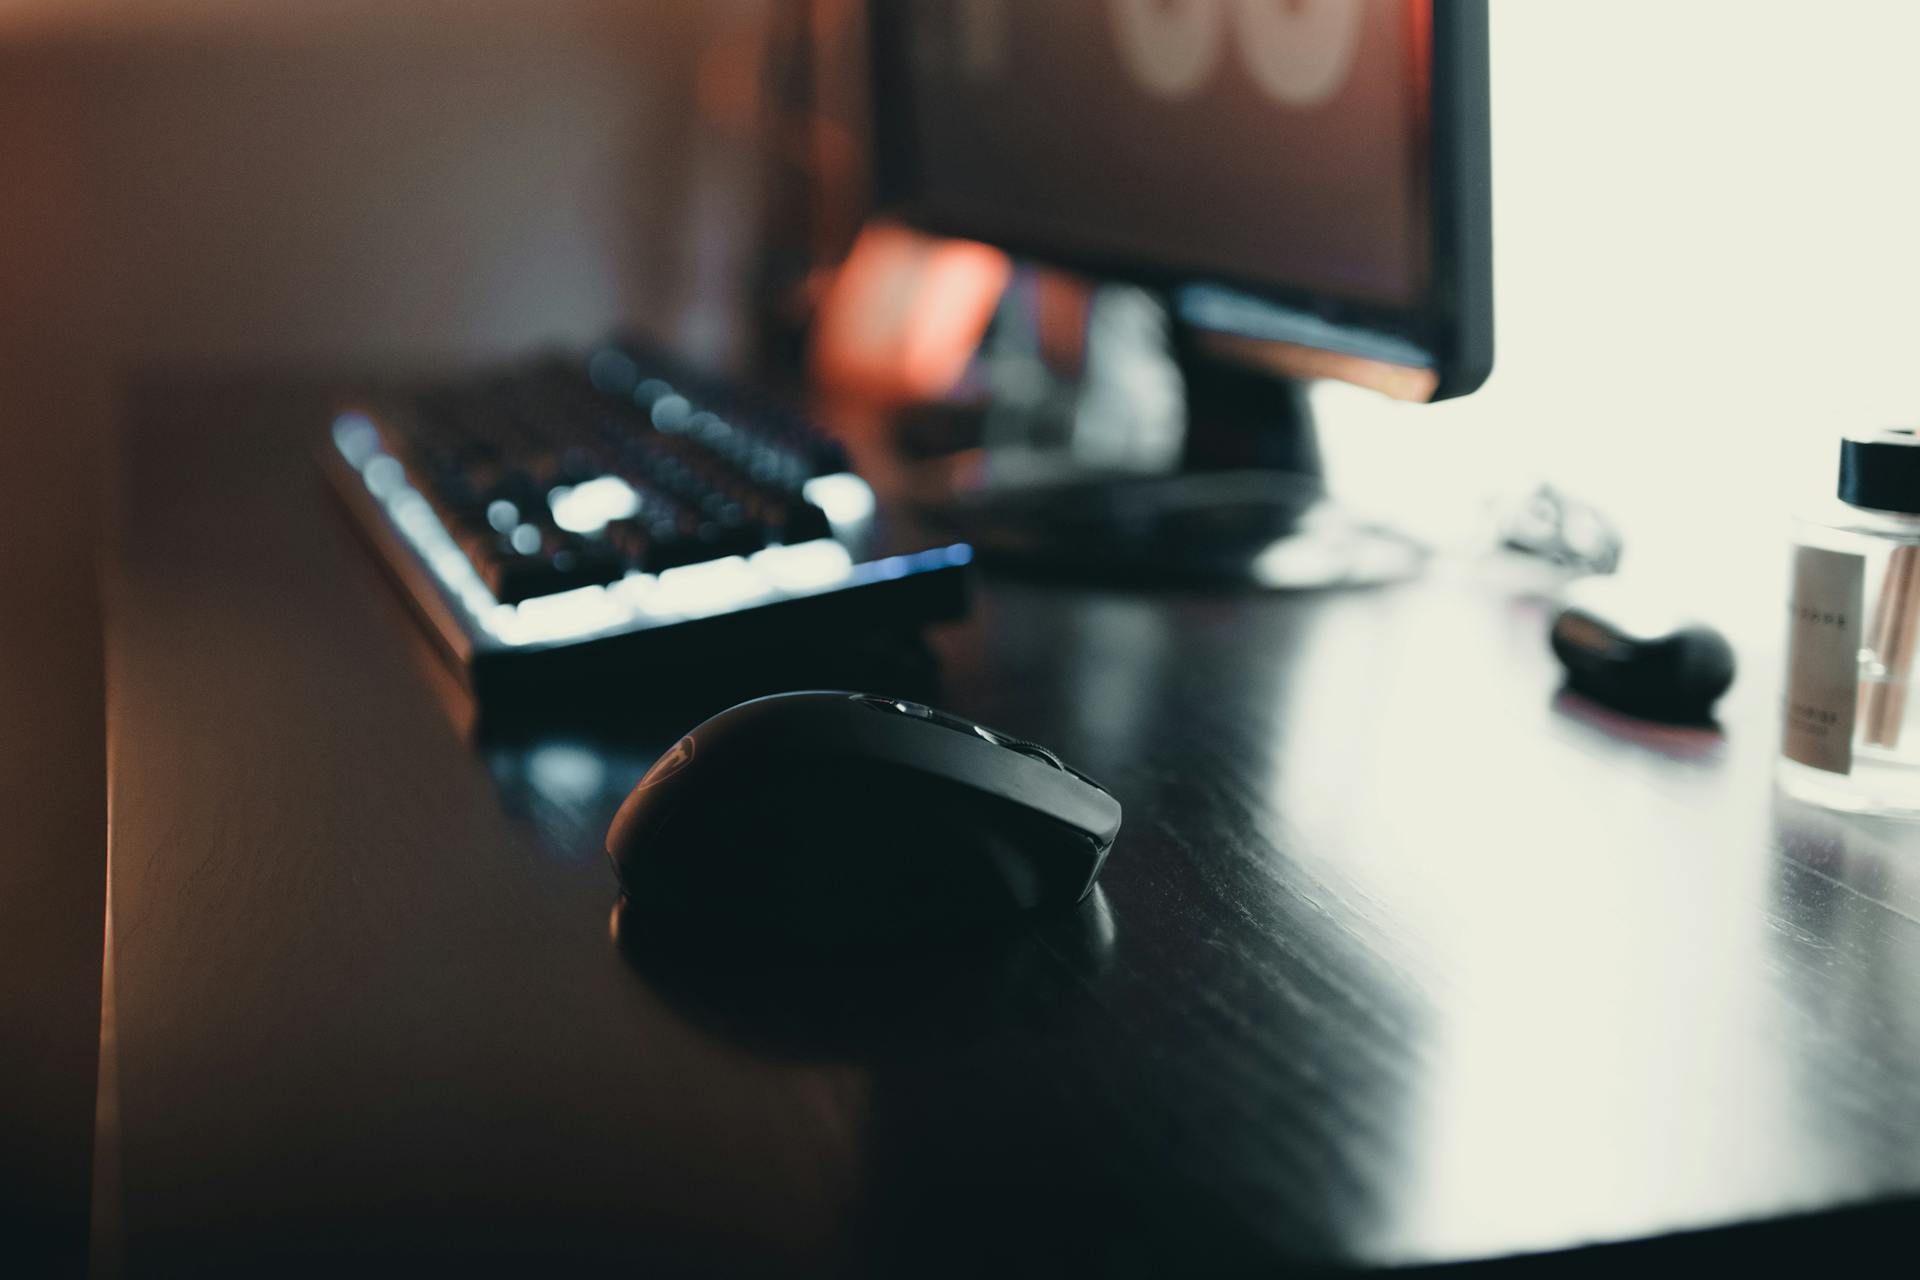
x=1685 y=275
x=903 y=316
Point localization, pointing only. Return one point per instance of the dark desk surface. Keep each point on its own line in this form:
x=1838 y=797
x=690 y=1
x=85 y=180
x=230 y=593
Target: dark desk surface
x=1399 y=957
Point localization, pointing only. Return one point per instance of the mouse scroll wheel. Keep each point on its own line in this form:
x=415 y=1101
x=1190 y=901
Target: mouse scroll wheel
x=1037 y=751
x=1033 y=749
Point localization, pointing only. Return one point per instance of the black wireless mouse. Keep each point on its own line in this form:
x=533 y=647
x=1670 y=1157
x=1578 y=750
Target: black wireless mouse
x=832 y=817
x=1626 y=647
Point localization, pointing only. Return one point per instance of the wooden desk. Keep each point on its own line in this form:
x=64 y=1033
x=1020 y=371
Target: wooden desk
x=1399 y=957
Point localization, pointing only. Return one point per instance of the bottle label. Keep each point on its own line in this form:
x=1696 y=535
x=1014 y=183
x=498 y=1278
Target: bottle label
x=1823 y=658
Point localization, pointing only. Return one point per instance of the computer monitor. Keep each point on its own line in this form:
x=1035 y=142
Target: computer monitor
x=1305 y=182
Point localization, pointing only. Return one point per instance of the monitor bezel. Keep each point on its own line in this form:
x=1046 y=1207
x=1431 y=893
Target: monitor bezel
x=1451 y=323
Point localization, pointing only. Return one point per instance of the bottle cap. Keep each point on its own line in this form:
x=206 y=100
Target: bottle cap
x=1882 y=470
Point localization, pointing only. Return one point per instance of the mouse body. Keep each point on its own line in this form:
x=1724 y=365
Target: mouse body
x=835 y=816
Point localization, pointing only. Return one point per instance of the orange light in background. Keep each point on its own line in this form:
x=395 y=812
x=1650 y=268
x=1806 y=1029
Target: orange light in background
x=902 y=316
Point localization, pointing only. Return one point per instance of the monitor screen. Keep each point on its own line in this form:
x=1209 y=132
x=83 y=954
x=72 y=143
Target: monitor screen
x=1316 y=167
x=1267 y=139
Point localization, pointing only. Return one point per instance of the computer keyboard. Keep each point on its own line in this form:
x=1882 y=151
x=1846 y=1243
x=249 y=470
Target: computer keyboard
x=569 y=507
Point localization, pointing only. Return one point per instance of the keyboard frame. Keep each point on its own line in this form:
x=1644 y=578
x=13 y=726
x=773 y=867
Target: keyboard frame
x=889 y=584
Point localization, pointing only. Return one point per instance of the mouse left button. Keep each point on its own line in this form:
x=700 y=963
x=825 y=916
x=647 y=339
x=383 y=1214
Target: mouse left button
x=626 y=823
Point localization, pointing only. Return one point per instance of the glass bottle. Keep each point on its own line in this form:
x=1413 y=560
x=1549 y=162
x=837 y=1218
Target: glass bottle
x=1850 y=734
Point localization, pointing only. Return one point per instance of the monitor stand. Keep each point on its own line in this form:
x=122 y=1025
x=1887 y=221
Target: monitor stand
x=1240 y=500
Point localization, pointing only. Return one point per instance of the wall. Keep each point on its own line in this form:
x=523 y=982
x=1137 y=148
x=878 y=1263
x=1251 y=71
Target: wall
x=322 y=182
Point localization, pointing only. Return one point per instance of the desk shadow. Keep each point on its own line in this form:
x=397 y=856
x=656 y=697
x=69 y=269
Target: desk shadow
x=626 y=702
x=814 y=1002
x=1691 y=741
